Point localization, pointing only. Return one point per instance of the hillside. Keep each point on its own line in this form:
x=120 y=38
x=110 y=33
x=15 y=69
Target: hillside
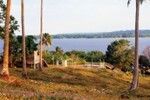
x=72 y=83
x=115 y=34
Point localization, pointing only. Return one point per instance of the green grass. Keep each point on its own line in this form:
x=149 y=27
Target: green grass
x=73 y=84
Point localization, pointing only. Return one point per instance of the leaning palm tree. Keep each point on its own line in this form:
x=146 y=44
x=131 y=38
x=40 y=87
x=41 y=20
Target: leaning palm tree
x=5 y=68
x=23 y=40
x=41 y=37
x=135 y=80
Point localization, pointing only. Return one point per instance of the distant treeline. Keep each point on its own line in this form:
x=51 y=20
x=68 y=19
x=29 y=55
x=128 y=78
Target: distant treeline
x=115 y=34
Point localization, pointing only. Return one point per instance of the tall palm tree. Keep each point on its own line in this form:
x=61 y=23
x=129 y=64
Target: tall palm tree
x=41 y=37
x=23 y=40
x=5 y=70
x=135 y=79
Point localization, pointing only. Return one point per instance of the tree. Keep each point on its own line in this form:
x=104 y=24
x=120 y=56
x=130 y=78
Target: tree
x=41 y=37
x=13 y=27
x=31 y=44
x=80 y=54
x=16 y=49
x=58 y=55
x=94 y=56
x=47 y=39
x=23 y=40
x=135 y=79
x=120 y=54
x=144 y=61
x=5 y=71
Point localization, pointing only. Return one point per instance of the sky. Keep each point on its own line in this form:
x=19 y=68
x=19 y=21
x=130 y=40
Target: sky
x=75 y=16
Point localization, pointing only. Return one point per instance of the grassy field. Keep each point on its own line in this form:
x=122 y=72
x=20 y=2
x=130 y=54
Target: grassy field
x=58 y=83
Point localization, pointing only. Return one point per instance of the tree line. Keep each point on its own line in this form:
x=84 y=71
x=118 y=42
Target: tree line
x=115 y=34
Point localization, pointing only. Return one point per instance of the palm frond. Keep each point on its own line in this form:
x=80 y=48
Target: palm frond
x=128 y=3
x=141 y=1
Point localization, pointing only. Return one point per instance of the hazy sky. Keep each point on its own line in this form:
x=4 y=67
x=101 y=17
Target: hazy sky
x=68 y=16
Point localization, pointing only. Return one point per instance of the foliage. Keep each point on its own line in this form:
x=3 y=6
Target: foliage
x=13 y=22
x=48 y=57
x=47 y=39
x=58 y=54
x=31 y=44
x=95 y=56
x=129 y=1
x=16 y=48
x=120 y=54
x=53 y=56
x=115 y=34
x=80 y=54
x=13 y=27
x=144 y=61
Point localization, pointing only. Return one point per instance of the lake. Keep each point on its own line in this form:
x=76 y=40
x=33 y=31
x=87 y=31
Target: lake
x=89 y=44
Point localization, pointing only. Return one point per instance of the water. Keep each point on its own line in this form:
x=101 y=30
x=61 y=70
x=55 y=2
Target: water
x=1 y=46
x=93 y=44
x=89 y=44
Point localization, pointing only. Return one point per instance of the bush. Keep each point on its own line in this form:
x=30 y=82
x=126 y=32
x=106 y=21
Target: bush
x=144 y=61
x=48 y=57
x=120 y=54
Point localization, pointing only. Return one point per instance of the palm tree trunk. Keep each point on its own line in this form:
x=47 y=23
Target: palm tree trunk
x=23 y=40
x=135 y=79
x=5 y=71
x=41 y=37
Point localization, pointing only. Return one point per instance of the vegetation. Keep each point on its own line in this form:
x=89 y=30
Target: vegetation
x=115 y=34
x=57 y=83
x=80 y=57
x=144 y=61
x=92 y=56
x=120 y=54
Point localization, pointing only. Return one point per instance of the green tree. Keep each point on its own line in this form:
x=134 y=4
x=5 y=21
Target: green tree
x=58 y=55
x=48 y=57
x=31 y=44
x=80 y=54
x=16 y=49
x=94 y=56
x=120 y=54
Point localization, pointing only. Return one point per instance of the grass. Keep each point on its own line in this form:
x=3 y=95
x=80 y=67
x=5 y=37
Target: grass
x=58 y=83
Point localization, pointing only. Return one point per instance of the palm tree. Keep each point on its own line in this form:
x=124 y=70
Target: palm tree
x=135 y=80
x=47 y=39
x=5 y=70
x=41 y=37
x=23 y=40
x=46 y=42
